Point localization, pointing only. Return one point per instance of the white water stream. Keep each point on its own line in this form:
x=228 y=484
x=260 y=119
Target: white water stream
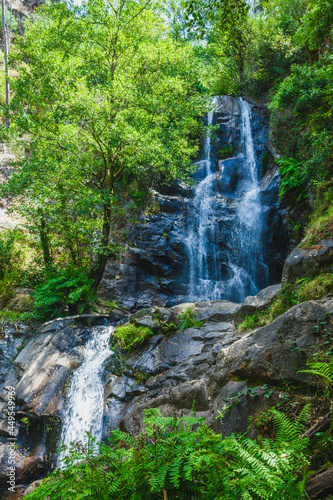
x=245 y=262
x=85 y=398
x=247 y=234
x=202 y=260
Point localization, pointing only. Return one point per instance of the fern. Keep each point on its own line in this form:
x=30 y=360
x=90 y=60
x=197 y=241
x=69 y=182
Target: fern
x=323 y=369
x=187 y=319
x=184 y=458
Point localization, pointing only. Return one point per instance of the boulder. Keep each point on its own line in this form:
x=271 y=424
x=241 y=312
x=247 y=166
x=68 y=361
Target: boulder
x=276 y=352
x=302 y=262
x=259 y=302
x=32 y=487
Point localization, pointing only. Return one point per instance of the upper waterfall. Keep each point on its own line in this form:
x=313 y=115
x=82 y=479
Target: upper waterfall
x=241 y=270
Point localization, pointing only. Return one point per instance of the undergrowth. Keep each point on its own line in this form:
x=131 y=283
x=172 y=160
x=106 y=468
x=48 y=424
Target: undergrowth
x=180 y=458
x=308 y=288
x=130 y=336
x=187 y=319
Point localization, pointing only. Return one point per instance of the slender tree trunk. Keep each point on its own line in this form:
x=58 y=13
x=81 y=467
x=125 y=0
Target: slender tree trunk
x=45 y=242
x=5 y=44
x=165 y=494
x=98 y=270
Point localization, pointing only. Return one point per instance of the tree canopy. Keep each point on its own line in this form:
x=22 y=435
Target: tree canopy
x=105 y=96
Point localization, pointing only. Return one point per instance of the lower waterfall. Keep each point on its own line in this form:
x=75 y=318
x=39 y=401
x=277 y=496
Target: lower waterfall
x=85 y=398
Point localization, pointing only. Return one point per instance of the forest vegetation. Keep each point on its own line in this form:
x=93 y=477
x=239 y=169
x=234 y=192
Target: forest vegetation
x=106 y=103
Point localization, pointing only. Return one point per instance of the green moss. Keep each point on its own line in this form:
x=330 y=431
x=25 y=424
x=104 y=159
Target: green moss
x=317 y=288
x=226 y=152
x=320 y=228
x=130 y=336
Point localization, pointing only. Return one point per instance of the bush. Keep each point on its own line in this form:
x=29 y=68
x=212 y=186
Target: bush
x=130 y=336
x=66 y=290
x=9 y=252
x=187 y=319
x=180 y=458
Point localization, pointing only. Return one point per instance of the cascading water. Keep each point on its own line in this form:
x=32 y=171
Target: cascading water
x=247 y=233
x=202 y=260
x=85 y=399
x=246 y=272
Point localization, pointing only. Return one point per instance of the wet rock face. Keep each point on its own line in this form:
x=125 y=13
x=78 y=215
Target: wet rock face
x=155 y=270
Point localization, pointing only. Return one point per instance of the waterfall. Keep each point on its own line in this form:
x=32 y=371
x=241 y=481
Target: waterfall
x=85 y=398
x=202 y=258
x=250 y=272
x=246 y=272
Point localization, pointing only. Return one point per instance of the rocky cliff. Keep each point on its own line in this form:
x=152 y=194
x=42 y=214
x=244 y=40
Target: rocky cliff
x=156 y=268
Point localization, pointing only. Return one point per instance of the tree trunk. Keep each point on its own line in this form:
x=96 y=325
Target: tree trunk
x=97 y=271
x=5 y=44
x=45 y=242
x=165 y=494
x=320 y=484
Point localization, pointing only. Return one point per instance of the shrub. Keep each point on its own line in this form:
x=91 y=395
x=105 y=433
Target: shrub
x=180 y=458
x=9 y=253
x=187 y=319
x=292 y=178
x=68 y=288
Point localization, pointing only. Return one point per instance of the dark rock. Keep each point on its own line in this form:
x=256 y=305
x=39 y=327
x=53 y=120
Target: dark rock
x=304 y=261
x=156 y=268
x=275 y=352
x=238 y=402
x=259 y=302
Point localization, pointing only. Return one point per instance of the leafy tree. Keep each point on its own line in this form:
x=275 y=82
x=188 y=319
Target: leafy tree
x=105 y=98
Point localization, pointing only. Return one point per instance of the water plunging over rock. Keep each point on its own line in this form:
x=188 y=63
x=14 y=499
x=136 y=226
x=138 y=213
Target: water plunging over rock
x=84 y=411
x=223 y=238
x=247 y=243
x=241 y=270
x=202 y=261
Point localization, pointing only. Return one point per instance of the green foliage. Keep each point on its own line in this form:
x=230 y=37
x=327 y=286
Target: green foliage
x=180 y=458
x=322 y=369
x=288 y=297
x=317 y=288
x=109 y=101
x=9 y=252
x=293 y=181
x=13 y=250
x=187 y=319
x=130 y=336
x=226 y=152
x=63 y=288
x=309 y=288
x=306 y=94
x=321 y=223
